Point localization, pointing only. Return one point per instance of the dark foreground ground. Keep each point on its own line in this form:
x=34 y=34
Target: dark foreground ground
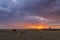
x=29 y=34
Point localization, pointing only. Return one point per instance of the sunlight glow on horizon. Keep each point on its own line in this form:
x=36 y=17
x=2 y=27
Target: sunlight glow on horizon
x=36 y=27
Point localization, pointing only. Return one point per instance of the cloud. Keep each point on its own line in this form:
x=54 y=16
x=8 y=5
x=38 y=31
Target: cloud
x=29 y=11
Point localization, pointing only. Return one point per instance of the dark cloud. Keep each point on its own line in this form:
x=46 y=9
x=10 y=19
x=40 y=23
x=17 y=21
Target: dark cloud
x=20 y=9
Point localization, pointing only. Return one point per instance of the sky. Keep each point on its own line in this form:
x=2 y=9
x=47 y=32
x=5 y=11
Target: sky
x=20 y=13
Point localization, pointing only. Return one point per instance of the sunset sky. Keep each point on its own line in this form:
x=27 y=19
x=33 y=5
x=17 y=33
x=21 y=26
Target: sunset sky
x=26 y=13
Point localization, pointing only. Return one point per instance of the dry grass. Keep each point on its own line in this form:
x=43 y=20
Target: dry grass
x=23 y=34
